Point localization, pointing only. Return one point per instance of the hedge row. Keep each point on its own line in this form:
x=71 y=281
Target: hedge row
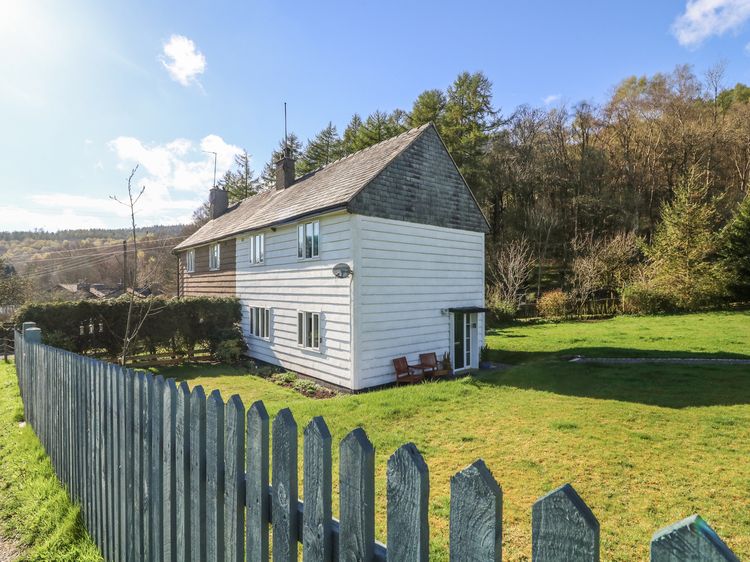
x=178 y=325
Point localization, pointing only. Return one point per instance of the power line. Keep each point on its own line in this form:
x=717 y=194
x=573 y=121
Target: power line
x=95 y=250
x=45 y=273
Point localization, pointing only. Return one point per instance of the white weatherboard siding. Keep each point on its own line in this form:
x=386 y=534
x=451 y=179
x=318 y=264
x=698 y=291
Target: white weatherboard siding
x=286 y=285
x=404 y=274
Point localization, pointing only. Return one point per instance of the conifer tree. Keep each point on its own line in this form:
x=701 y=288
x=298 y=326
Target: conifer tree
x=683 y=257
x=240 y=182
x=736 y=249
x=428 y=107
x=323 y=149
x=351 y=132
x=468 y=121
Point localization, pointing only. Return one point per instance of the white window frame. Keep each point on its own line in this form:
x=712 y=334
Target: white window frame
x=260 y=322
x=190 y=261
x=311 y=229
x=257 y=249
x=211 y=265
x=307 y=323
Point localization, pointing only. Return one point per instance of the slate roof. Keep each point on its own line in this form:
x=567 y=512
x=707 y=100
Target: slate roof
x=329 y=188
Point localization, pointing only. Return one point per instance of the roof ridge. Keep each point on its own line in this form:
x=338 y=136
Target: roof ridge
x=332 y=190
x=362 y=150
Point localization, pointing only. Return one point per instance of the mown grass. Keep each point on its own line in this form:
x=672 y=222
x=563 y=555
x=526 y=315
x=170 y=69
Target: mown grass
x=35 y=510
x=710 y=334
x=644 y=445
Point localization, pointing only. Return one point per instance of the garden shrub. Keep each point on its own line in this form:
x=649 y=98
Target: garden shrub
x=230 y=350
x=641 y=298
x=178 y=325
x=501 y=309
x=553 y=304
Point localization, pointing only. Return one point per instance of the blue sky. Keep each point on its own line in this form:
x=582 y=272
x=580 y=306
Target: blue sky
x=89 y=88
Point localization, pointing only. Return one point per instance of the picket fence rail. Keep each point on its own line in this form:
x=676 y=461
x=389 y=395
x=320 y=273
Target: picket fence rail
x=166 y=474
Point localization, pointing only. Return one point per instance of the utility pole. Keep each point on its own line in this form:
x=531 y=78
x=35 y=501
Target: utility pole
x=124 y=266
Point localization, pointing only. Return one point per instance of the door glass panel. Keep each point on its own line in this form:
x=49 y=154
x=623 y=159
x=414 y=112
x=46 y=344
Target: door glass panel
x=467 y=335
x=458 y=341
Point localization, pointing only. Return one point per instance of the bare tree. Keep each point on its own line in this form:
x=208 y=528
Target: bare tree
x=509 y=267
x=603 y=265
x=132 y=325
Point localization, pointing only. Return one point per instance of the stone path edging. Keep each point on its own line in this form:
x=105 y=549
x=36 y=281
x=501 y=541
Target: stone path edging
x=669 y=360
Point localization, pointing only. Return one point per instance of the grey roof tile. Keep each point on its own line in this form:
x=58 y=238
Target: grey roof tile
x=329 y=187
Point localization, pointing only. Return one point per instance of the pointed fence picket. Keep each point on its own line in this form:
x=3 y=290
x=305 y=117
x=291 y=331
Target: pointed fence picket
x=163 y=473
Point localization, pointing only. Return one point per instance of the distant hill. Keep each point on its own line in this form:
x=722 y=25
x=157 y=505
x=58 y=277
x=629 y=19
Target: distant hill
x=94 y=255
x=87 y=233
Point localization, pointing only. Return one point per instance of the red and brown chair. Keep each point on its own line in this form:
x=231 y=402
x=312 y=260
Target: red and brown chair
x=404 y=373
x=428 y=363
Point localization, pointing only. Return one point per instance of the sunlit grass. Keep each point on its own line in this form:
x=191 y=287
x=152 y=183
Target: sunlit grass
x=35 y=510
x=644 y=445
x=710 y=334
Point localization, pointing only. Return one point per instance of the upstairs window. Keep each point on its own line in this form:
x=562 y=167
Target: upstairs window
x=308 y=329
x=190 y=261
x=257 y=248
x=308 y=240
x=214 y=257
x=260 y=322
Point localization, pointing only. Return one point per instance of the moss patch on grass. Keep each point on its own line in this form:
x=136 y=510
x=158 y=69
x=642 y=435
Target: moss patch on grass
x=35 y=511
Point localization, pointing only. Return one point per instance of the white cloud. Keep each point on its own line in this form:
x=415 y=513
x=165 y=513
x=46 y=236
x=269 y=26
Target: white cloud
x=177 y=176
x=178 y=165
x=182 y=60
x=550 y=99
x=705 y=18
x=747 y=49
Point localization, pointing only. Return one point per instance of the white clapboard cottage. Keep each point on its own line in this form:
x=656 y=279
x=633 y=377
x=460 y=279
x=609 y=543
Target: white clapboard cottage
x=407 y=236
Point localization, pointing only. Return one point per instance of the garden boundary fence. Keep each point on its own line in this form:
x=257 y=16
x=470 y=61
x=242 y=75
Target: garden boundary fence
x=165 y=473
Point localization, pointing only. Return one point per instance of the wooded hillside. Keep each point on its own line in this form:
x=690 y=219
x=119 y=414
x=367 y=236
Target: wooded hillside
x=42 y=260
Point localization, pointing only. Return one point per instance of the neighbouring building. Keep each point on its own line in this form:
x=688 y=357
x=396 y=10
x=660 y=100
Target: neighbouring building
x=407 y=234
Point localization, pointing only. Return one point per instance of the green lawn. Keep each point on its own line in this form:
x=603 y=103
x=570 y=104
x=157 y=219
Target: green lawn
x=35 y=510
x=710 y=334
x=644 y=445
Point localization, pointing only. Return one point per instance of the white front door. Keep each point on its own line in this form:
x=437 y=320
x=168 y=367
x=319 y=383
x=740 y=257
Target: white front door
x=464 y=326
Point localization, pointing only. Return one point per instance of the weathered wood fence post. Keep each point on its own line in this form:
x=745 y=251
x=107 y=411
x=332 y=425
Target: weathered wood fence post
x=476 y=515
x=563 y=528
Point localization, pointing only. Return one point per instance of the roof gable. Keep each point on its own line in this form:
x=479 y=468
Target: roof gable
x=422 y=185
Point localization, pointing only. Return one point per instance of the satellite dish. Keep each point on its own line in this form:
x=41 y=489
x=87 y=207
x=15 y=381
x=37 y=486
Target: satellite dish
x=342 y=270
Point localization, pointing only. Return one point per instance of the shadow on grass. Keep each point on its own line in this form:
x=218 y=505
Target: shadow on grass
x=190 y=371
x=669 y=386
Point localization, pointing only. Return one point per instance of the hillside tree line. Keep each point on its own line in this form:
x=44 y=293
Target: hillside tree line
x=642 y=197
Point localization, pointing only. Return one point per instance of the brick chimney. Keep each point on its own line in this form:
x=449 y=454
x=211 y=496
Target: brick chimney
x=218 y=200
x=285 y=170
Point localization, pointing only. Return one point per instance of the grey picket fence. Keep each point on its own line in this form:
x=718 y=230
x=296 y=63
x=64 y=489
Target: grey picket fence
x=164 y=473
